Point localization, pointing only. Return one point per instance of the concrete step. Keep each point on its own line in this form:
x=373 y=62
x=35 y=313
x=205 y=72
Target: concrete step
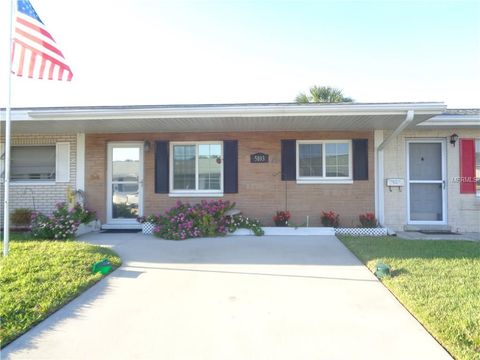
x=438 y=228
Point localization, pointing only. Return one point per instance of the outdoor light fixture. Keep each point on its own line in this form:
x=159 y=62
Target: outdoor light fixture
x=146 y=146
x=453 y=139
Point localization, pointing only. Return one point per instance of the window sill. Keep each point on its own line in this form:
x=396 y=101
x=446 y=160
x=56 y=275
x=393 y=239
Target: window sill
x=324 y=181
x=195 y=194
x=31 y=183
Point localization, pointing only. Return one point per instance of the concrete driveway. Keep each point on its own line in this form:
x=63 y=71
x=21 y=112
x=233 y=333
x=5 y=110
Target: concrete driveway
x=271 y=297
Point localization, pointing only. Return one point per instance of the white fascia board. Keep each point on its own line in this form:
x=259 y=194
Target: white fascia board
x=231 y=111
x=452 y=120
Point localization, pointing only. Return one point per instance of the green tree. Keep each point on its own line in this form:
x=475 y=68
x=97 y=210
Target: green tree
x=322 y=94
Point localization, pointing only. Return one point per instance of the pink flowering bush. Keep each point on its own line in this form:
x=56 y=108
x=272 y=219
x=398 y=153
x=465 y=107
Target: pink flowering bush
x=184 y=221
x=208 y=218
x=62 y=224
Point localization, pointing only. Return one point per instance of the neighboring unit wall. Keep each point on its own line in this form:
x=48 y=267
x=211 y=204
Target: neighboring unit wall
x=41 y=197
x=261 y=190
x=463 y=210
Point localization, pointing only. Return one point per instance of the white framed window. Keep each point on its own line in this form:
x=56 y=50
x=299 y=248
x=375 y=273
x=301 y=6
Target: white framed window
x=324 y=161
x=477 y=166
x=196 y=168
x=37 y=164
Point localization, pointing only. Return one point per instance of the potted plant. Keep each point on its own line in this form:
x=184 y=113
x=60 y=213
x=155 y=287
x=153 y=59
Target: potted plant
x=330 y=219
x=281 y=218
x=368 y=220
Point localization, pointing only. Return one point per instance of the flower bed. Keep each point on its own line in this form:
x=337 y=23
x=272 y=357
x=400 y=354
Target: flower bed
x=206 y=219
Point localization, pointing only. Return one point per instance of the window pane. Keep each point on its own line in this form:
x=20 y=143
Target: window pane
x=336 y=158
x=310 y=160
x=477 y=157
x=126 y=164
x=209 y=166
x=426 y=202
x=425 y=160
x=32 y=163
x=124 y=201
x=184 y=167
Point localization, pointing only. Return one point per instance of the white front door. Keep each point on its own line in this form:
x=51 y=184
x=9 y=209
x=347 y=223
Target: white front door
x=124 y=183
x=426 y=174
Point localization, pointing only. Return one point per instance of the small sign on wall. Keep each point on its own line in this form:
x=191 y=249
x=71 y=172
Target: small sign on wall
x=395 y=182
x=259 y=158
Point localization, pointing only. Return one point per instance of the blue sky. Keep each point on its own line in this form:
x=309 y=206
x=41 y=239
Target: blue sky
x=169 y=52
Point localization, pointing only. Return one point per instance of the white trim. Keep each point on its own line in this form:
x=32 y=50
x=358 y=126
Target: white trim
x=445 y=120
x=378 y=176
x=195 y=192
x=80 y=163
x=121 y=226
x=124 y=223
x=32 y=183
x=443 y=181
x=59 y=165
x=239 y=110
x=324 y=179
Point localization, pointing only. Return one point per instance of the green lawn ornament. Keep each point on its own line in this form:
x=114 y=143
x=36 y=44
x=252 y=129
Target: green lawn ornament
x=103 y=266
x=381 y=270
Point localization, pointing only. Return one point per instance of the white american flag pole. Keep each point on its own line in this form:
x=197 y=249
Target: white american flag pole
x=6 y=194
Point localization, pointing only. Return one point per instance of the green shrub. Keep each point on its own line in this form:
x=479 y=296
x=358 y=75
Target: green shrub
x=21 y=217
x=242 y=222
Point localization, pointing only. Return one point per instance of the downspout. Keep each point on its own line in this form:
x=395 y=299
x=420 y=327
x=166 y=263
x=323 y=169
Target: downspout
x=380 y=165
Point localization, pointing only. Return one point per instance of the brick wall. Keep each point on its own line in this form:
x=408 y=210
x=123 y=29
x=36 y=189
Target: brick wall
x=463 y=210
x=261 y=191
x=41 y=197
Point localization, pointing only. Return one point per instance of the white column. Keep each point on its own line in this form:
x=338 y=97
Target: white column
x=80 y=163
x=379 y=177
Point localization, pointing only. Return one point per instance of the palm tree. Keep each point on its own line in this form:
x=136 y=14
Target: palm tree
x=322 y=94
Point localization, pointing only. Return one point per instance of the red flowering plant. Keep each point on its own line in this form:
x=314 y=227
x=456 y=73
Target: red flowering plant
x=281 y=218
x=368 y=220
x=330 y=218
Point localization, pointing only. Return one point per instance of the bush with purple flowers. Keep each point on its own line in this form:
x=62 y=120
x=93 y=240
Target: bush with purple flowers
x=184 y=221
x=62 y=224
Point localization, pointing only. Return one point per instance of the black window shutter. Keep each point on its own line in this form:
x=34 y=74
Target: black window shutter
x=230 y=166
x=360 y=159
x=161 y=167
x=289 y=160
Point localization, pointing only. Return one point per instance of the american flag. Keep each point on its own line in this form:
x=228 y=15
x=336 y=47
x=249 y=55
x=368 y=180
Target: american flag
x=35 y=53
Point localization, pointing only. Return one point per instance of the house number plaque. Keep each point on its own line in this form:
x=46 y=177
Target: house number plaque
x=259 y=158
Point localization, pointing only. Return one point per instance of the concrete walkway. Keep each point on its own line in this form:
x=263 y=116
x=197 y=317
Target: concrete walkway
x=271 y=297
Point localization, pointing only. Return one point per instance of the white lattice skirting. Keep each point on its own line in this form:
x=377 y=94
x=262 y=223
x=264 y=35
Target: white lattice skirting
x=362 y=231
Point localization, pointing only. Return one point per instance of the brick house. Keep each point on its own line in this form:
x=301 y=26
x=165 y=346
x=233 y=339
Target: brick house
x=396 y=160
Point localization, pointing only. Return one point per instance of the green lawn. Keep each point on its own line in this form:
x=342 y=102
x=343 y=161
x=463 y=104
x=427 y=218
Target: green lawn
x=39 y=277
x=437 y=281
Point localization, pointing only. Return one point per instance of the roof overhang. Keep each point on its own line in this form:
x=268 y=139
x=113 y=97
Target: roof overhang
x=452 y=121
x=220 y=118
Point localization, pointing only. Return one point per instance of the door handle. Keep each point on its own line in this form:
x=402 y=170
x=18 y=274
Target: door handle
x=444 y=184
